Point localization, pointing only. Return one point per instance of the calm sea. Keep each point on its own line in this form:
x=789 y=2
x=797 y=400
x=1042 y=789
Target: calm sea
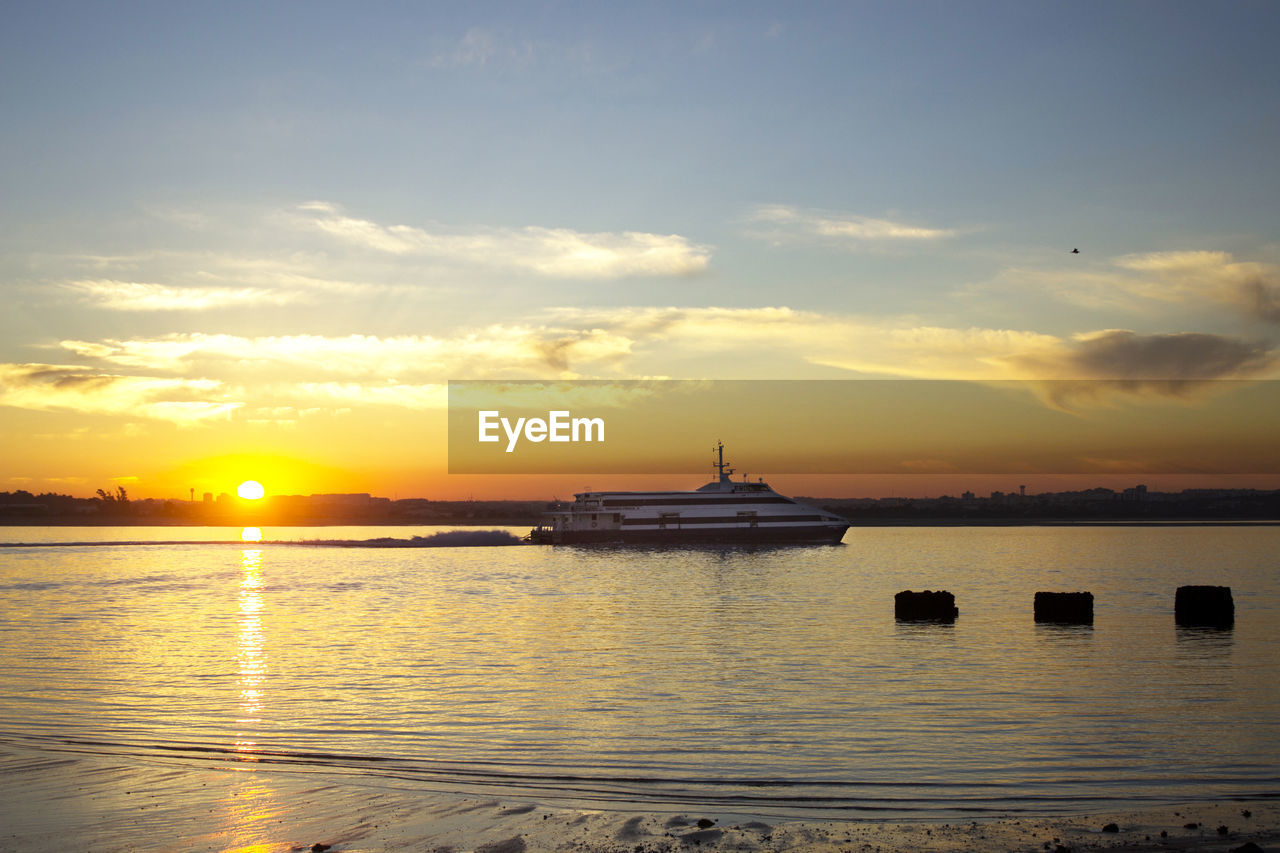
x=769 y=680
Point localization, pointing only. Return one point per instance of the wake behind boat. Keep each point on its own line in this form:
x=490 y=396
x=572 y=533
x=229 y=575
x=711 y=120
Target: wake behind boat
x=723 y=511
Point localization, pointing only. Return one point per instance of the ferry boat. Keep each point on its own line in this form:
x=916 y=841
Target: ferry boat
x=723 y=511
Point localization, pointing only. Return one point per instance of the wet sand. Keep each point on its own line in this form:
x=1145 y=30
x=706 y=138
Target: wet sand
x=66 y=801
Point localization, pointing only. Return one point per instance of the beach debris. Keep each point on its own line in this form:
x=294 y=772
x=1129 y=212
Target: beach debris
x=1246 y=813
x=1111 y=827
x=1222 y=830
x=926 y=606
x=1191 y=825
x=1204 y=606
x=320 y=848
x=706 y=823
x=1070 y=608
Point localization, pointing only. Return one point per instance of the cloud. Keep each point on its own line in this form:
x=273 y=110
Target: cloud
x=1253 y=288
x=546 y=251
x=142 y=296
x=774 y=342
x=493 y=352
x=50 y=387
x=569 y=343
x=1100 y=366
x=739 y=338
x=1122 y=354
x=1186 y=279
x=184 y=280
x=788 y=224
x=1094 y=367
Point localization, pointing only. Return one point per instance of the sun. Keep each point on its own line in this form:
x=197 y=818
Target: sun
x=250 y=490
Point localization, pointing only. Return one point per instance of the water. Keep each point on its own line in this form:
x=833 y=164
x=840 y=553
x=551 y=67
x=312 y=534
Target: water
x=767 y=680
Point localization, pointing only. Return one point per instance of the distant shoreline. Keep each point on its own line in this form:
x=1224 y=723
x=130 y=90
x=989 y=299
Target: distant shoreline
x=1136 y=506
x=525 y=522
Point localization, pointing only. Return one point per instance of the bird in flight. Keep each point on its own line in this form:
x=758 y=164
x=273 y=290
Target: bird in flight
x=1075 y=251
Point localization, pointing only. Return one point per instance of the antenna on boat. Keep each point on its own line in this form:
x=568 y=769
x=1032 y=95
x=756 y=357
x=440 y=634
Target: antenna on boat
x=721 y=466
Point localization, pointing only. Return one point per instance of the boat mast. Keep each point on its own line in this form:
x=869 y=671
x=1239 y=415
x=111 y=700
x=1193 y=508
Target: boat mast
x=721 y=466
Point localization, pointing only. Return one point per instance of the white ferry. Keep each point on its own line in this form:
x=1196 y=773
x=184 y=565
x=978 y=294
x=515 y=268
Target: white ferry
x=721 y=512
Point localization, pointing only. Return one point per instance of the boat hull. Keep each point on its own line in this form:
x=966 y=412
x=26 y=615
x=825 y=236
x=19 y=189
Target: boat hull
x=808 y=535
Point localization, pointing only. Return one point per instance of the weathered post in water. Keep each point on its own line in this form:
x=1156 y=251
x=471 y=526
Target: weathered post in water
x=927 y=606
x=1065 y=608
x=1205 y=606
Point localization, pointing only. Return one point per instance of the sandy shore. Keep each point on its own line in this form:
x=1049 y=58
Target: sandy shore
x=57 y=802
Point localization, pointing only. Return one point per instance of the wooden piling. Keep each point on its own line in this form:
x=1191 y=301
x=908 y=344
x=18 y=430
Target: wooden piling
x=1066 y=608
x=927 y=606
x=1205 y=606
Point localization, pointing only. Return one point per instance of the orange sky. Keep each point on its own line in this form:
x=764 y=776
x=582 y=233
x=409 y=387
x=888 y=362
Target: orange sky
x=406 y=457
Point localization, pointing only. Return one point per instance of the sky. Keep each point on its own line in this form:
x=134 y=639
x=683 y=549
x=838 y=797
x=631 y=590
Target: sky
x=245 y=240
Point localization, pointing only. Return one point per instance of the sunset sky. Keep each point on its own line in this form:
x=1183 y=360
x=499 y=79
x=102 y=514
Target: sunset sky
x=244 y=240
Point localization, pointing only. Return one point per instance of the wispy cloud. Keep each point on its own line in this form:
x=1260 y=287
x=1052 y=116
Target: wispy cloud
x=781 y=223
x=1137 y=283
x=900 y=347
x=559 y=252
x=1253 y=288
x=408 y=371
x=54 y=387
x=146 y=296
x=728 y=337
x=492 y=352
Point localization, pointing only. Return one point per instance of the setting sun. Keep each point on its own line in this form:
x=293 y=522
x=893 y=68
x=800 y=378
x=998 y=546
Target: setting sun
x=251 y=490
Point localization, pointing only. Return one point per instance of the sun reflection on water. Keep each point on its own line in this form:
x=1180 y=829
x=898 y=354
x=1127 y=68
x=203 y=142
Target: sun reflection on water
x=250 y=807
x=251 y=656
x=251 y=811
x=251 y=534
